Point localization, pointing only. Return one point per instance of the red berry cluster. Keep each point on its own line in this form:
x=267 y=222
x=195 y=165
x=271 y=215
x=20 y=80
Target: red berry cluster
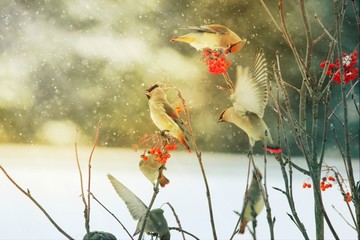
x=160 y=155
x=326 y=183
x=170 y=147
x=216 y=61
x=348 y=62
x=347 y=197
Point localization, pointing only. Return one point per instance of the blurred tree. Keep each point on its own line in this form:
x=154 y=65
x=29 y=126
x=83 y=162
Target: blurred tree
x=85 y=60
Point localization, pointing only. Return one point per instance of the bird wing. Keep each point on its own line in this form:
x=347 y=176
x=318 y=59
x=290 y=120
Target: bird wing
x=251 y=192
x=213 y=28
x=170 y=111
x=136 y=207
x=251 y=91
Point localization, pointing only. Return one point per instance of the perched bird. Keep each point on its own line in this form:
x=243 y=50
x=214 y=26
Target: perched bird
x=249 y=101
x=156 y=222
x=98 y=235
x=165 y=116
x=253 y=201
x=214 y=37
x=151 y=168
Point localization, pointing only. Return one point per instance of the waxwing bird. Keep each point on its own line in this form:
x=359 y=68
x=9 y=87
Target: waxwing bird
x=253 y=201
x=214 y=36
x=165 y=116
x=99 y=235
x=249 y=101
x=156 y=222
x=151 y=168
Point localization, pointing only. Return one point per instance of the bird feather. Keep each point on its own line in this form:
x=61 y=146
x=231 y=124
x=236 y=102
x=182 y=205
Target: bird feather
x=251 y=91
x=213 y=28
x=136 y=207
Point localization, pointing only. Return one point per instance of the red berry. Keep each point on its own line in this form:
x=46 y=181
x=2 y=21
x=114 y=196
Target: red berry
x=322 y=65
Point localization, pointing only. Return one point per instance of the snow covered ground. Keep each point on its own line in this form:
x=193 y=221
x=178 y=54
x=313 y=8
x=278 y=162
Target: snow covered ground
x=51 y=175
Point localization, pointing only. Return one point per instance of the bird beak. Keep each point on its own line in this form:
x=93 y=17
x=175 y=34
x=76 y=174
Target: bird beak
x=221 y=117
x=148 y=95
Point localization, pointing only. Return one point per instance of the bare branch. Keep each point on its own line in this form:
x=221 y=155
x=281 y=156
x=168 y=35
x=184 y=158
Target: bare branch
x=183 y=231
x=112 y=214
x=27 y=194
x=177 y=219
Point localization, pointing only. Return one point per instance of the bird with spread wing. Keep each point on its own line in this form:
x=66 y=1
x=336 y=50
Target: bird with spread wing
x=156 y=222
x=249 y=101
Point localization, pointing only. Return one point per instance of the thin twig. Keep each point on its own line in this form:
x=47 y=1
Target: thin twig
x=319 y=38
x=309 y=41
x=339 y=19
x=342 y=101
x=356 y=14
x=112 y=214
x=156 y=191
x=299 y=136
x=291 y=86
x=81 y=185
x=183 y=231
x=198 y=154
x=337 y=177
x=265 y=194
x=346 y=168
x=353 y=98
x=266 y=198
x=326 y=32
x=177 y=219
x=87 y=218
x=304 y=71
x=343 y=217
x=246 y=190
x=290 y=199
x=325 y=129
x=27 y=193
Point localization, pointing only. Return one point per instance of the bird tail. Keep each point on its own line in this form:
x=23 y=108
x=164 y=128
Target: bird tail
x=163 y=180
x=166 y=236
x=184 y=140
x=243 y=226
x=184 y=136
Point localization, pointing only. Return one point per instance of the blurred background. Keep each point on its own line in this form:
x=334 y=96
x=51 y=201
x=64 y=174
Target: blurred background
x=66 y=64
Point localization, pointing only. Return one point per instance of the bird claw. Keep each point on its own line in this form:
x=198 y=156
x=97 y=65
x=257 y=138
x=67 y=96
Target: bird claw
x=156 y=189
